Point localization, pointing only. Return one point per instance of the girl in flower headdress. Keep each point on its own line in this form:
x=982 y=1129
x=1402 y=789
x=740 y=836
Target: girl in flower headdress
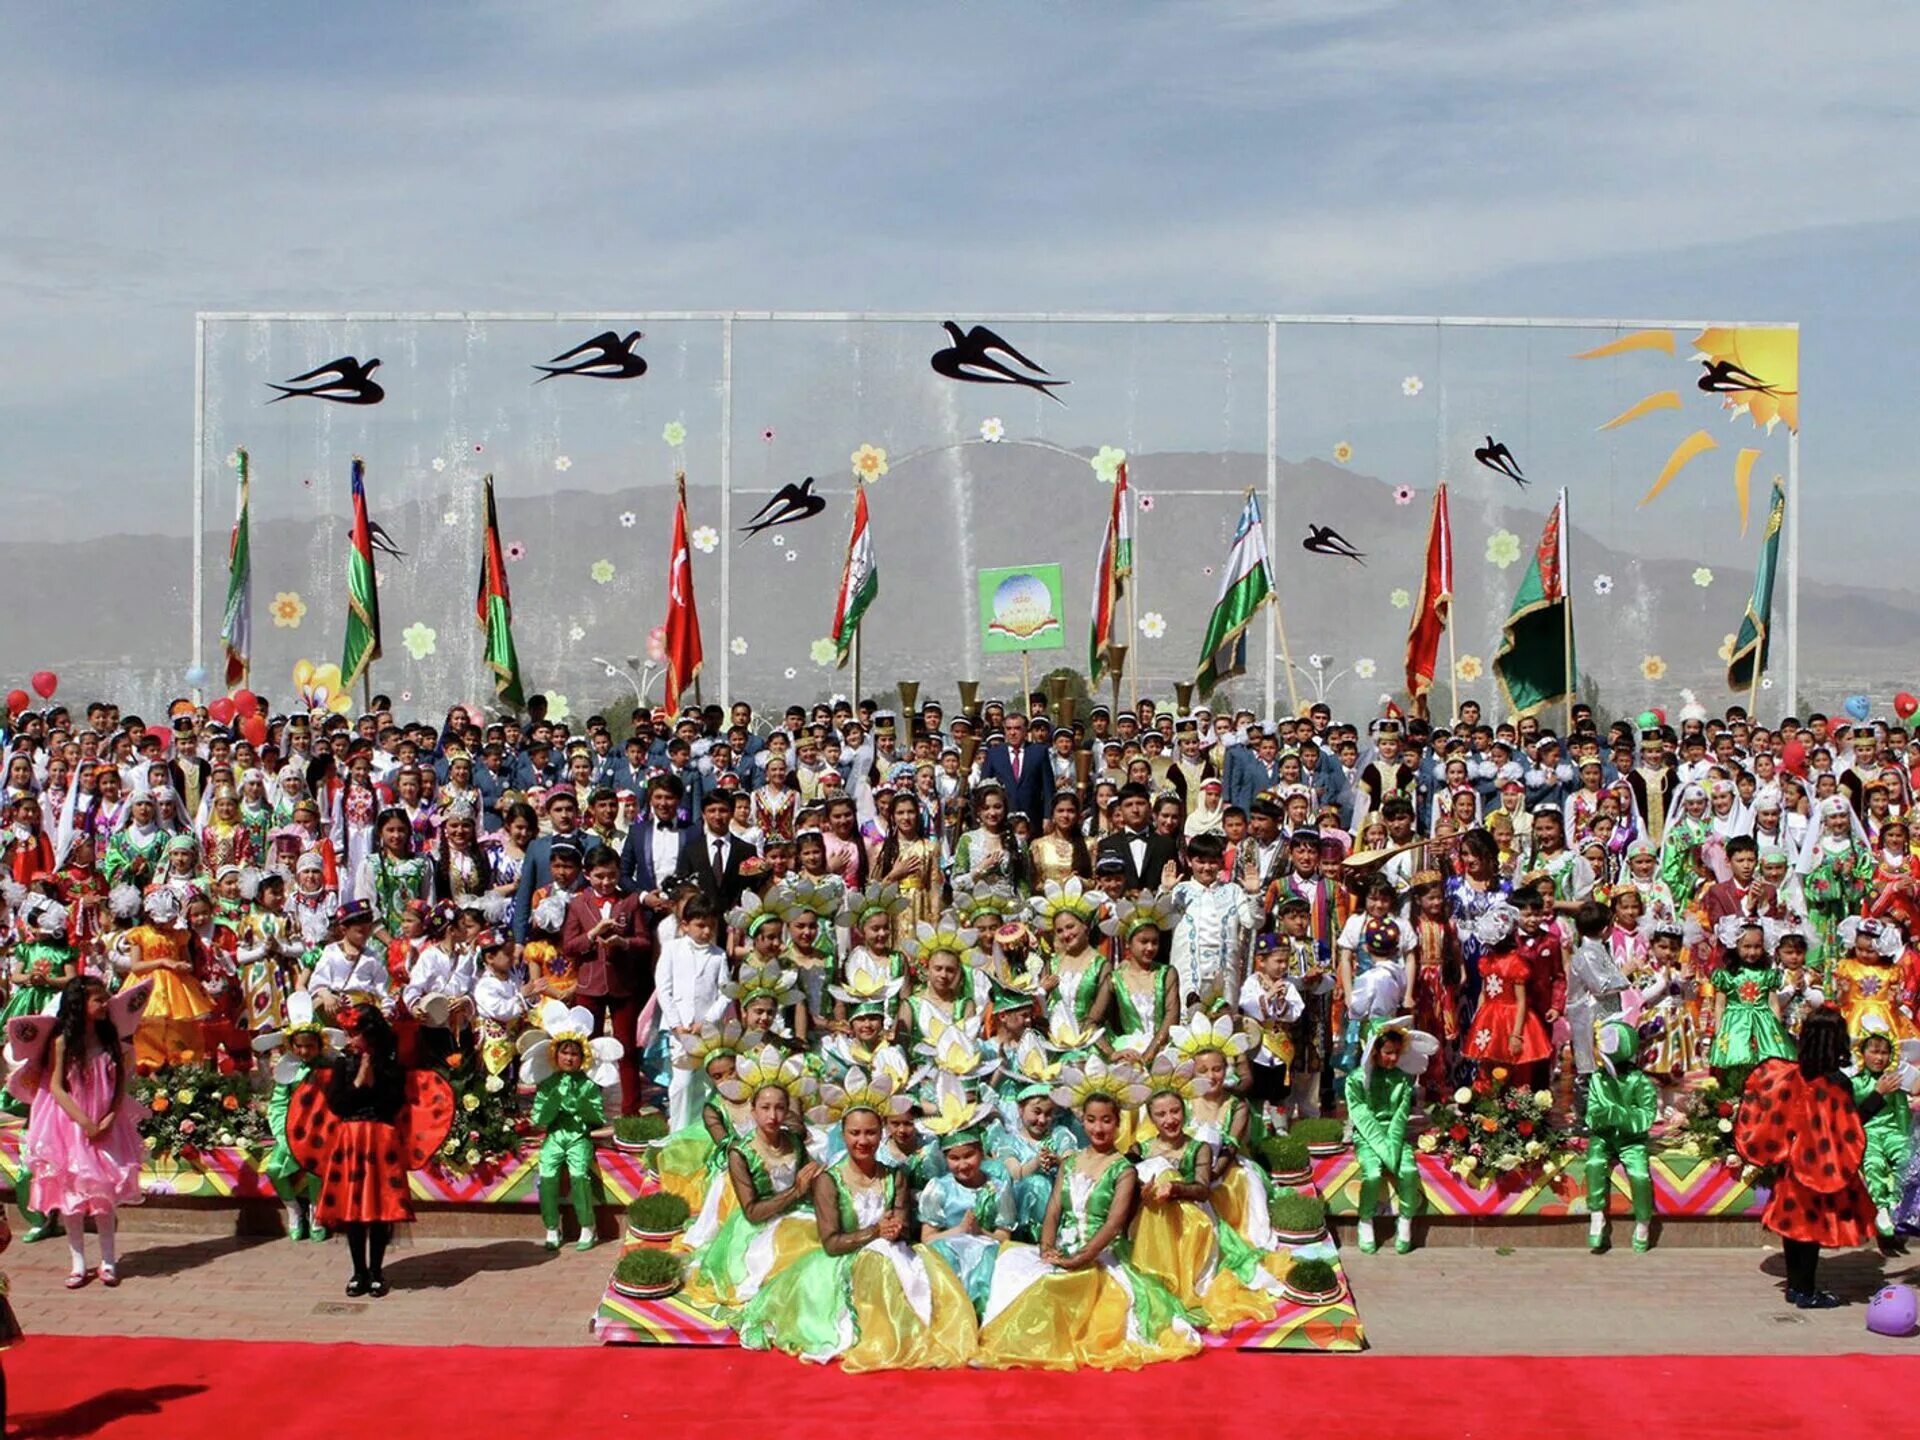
x=306 y=1044
x=1068 y=914
x=772 y=1179
x=863 y=1296
x=1033 y=1134
x=767 y=1002
x=809 y=907
x=1175 y=1235
x=1746 y=1007
x=1075 y=1300
x=1138 y=1000
x=569 y=1069
x=1219 y=1050
x=1379 y=1098
x=692 y=1163
x=968 y=1210
x=869 y=918
x=941 y=956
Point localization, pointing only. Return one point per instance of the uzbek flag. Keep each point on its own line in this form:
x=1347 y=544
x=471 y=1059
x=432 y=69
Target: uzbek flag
x=236 y=629
x=493 y=608
x=1535 y=665
x=1110 y=574
x=1246 y=584
x=859 y=581
x=682 y=629
x=363 y=590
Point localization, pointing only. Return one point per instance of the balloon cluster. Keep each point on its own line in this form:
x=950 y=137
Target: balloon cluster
x=44 y=683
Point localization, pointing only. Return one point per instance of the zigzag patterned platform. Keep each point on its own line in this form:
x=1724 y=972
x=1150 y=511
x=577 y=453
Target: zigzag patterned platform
x=1685 y=1187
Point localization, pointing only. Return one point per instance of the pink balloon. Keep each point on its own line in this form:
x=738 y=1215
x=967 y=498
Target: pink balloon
x=45 y=682
x=657 y=644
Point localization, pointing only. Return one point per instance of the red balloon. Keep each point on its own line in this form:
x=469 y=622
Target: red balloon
x=162 y=734
x=1793 y=755
x=17 y=700
x=221 y=710
x=1904 y=705
x=254 y=727
x=245 y=702
x=45 y=682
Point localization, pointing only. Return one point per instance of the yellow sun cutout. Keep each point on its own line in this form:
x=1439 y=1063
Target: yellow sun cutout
x=1756 y=373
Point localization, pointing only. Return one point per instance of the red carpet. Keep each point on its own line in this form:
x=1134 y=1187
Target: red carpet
x=68 y=1388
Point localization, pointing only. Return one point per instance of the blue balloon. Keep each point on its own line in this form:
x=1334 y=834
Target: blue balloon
x=1859 y=707
x=196 y=675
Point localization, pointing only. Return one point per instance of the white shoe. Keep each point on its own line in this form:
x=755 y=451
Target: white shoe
x=1363 y=1232
x=1643 y=1235
x=1403 y=1234
x=1883 y=1220
x=1597 y=1230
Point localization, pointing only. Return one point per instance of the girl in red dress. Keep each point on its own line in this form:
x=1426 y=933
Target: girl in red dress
x=1505 y=1031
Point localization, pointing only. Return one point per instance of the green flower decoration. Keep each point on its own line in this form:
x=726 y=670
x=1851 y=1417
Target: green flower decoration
x=601 y=571
x=1400 y=599
x=1503 y=548
x=557 y=707
x=1106 y=464
x=1703 y=577
x=419 y=640
x=675 y=434
x=823 y=651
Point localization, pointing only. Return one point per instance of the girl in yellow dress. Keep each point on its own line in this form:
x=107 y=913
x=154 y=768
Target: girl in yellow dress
x=1075 y=1300
x=1059 y=853
x=1217 y=1048
x=173 y=1026
x=911 y=860
x=692 y=1163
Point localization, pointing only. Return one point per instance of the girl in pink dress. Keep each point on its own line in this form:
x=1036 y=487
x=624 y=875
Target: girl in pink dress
x=83 y=1145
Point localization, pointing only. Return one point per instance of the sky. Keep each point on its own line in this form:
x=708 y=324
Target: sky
x=1343 y=156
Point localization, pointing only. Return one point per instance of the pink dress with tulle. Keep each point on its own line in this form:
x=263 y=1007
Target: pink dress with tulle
x=74 y=1173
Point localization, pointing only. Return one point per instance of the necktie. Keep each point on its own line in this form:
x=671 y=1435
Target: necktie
x=1016 y=764
x=719 y=857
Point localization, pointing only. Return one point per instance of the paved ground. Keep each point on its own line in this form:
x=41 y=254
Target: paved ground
x=510 y=1291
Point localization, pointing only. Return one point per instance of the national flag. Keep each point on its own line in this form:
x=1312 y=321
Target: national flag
x=1246 y=584
x=1535 y=664
x=682 y=629
x=493 y=608
x=859 y=581
x=236 y=629
x=363 y=590
x=1749 y=659
x=1436 y=601
x=1110 y=574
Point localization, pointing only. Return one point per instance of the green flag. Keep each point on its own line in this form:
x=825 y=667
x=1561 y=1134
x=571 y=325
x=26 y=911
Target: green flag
x=363 y=593
x=493 y=609
x=1535 y=663
x=1246 y=583
x=1749 y=658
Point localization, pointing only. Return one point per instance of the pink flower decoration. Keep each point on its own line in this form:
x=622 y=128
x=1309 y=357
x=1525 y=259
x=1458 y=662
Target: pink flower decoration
x=1403 y=495
x=767 y=434
x=516 y=551
x=1146 y=502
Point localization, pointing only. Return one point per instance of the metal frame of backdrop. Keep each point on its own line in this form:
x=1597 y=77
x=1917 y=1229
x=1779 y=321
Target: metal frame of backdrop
x=726 y=320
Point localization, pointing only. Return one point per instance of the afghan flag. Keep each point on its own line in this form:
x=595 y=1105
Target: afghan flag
x=236 y=630
x=493 y=608
x=1535 y=664
x=859 y=581
x=363 y=591
x=1111 y=574
x=682 y=629
x=1749 y=659
x=1246 y=584
x=1436 y=602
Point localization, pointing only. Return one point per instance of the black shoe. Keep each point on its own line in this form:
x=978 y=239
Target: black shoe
x=377 y=1286
x=358 y=1286
x=1794 y=1297
x=1818 y=1300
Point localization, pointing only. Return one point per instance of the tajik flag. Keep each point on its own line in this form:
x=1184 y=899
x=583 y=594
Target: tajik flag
x=1436 y=601
x=363 y=590
x=1246 y=584
x=493 y=608
x=236 y=630
x=1110 y=574
x=682 y=629
x=1535 y=665
x=859 y=583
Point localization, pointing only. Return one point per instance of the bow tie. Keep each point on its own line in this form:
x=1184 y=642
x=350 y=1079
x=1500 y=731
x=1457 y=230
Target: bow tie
x=665 y=825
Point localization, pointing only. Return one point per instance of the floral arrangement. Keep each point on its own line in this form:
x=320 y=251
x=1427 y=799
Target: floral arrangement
x=1492 y=1128
x=1702 y=1123
x=485 y=1129
x=196 y=1106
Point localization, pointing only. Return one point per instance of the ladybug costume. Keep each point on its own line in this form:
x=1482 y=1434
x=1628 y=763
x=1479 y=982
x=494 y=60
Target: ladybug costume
x=1811 y=1129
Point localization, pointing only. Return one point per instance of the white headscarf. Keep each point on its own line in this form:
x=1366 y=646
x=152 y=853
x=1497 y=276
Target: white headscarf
x=1812 y=846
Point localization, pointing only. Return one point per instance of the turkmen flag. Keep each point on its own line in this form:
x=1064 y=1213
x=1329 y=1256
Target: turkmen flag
x=236 y=629
x=859 y=582
x=493 y=608
x=1535 y=664
x=1749 y=659
x=363 y=591
x=1246 y=585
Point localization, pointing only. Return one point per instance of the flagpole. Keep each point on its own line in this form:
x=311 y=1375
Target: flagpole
x=1133 y=624
x=1279 y=625
x=1453 y=672
x=1566 y=603
x=854 y=654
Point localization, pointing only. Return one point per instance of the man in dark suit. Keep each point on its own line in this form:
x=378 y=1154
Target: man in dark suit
x=654 y=844
x=563 y=813
x=1145 y=854
x=609 y=938
x=1024 y=770
x=711 y=856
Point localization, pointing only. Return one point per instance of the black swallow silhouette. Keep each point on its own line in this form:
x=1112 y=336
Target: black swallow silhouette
x=1496 y=456
x=381 y=541
x=1325 y=540
x=349 y=383
x=790 y=505
x=1723 y=377
x=605 y=357
x=970 y=358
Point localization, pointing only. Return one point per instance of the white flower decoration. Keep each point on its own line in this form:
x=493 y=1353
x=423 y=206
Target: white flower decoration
x=706 y=539
x=1316 y=661
x=1400 y=599
x=439 y=462
x=991 y=430
x=779 y=542
x=738 y=645
x=576 y=634
x=233 y=458
x=601 y=572
x=1412 y=385
x=792 y=555
x=1603 y=584
x=823 y=651
x=452 y=517
x=1494 y=987
x=1106 y=463
x=791 y=672
x=1363 y=669
x=563 y=463
x=1703 y=577
x=1153 y=625
x=1482 y=1039
x=628 y=519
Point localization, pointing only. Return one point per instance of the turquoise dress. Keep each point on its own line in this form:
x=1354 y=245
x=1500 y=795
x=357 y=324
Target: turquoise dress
x=1010 y=1144
x=945 y=1203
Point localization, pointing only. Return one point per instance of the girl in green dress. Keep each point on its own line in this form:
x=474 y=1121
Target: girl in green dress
x=1746 y=1000
x=1069 y=915
x=1138 y=1002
